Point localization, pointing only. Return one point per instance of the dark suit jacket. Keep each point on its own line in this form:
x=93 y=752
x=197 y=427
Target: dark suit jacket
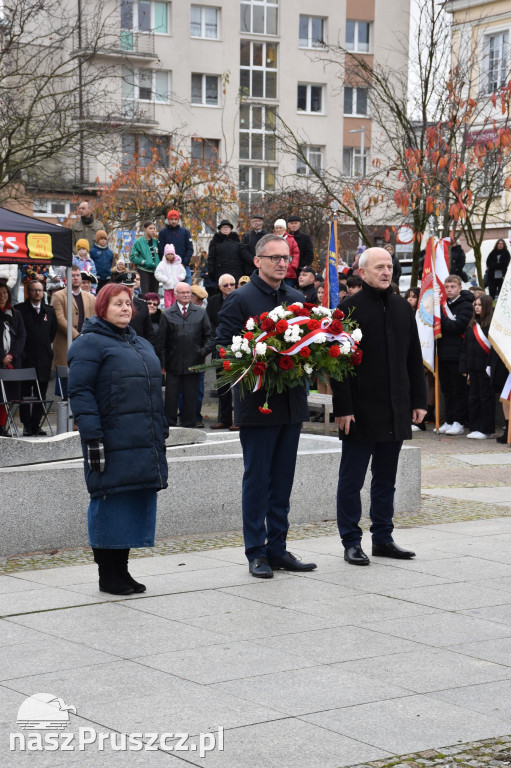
x=184 y=341
x=41 y=328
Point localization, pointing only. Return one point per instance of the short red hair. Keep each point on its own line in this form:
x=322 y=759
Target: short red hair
x=109 y=292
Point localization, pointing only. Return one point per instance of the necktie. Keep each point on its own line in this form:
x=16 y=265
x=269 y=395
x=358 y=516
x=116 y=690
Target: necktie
x=184 y=311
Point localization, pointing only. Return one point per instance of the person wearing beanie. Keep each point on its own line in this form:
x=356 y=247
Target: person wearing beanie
x=82 y=258
x=144 y=255
x=86 y=226
x=169 y=273
x=303 y=241
x=102 y=257
x=279 y=228
x=225 y=255
x=180 y=237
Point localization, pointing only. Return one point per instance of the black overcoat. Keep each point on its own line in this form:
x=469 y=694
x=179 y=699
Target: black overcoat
x=183 y=341
x=389 y=382
x=41 y=328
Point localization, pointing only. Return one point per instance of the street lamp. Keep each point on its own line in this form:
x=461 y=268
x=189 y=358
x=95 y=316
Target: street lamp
x=361 y=131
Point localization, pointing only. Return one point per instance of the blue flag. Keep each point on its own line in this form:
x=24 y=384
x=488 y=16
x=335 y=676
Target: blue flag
x=332 y=274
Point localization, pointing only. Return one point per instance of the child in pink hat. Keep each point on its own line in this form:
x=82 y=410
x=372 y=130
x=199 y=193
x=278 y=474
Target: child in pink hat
x=169 y=272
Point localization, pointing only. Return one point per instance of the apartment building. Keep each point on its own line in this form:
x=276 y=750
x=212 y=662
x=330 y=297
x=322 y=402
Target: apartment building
x=214 y=76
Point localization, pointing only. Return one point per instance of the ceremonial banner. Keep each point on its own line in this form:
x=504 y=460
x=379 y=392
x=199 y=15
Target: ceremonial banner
x=500 y=328
x=432 y=298
x=331 y=292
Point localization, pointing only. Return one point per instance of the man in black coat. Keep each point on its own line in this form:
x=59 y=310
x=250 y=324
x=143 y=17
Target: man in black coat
x=41 y=325
x=184 y=339
x=227 y=285
x=269 y=441
x=250 y=240
x=303 y=241
x=374 y=408
x=225 y=254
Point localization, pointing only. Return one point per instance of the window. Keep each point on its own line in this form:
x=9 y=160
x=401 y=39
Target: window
x=145 y=16
x=257 y=132
x=254 y=182
x=355 y=101
x=205 y=151
x=259 y=16
x=205 y=90
x=204 y=22
x=52 y=207
x=140 y=150
x=495 y=61
x=314 y=157
x=353 y=163
x=357 y=36
x=258 y=69
x=311 y=32
x=310 y=98
x=145 y=85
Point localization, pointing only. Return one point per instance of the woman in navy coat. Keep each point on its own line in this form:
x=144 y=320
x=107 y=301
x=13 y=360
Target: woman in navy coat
x=116 y=400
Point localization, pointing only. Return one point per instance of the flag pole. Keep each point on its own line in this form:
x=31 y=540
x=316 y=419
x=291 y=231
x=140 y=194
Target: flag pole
x=437 y=393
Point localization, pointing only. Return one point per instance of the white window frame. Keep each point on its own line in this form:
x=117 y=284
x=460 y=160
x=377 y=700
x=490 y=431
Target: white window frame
x=203 y=102
x=356 y=43
x=308 y=99
x=253 y=194
x=264 y=131
x=135 y=27
x=42 y=207
x=500 y=77
x=250 y=68
x=264 y=5
x=135 y=74
x=354 y=101
x=312 y=152
x=311 y=42
x=355 y=159
x=203 y=9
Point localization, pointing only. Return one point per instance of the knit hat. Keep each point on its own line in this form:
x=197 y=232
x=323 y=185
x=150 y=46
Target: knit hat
x=82 y=243
x=169 y=248
x=101 y=233
x=173 y=214
x=199 y=291
x=280 y=223
x=151 y=297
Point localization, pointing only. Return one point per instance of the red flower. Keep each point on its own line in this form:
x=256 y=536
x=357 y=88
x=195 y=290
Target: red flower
x=308 y=305
x=356 y=357
x=335 y=327
x=222 y=352
x=263 y=315
x=264 y=408
x=259 y=368
x=282 y=326
x=313 y=325
x=248 y=335
x=334 y=351
x=267 y=324
x=338 y=314
x=286 y=363
x=294 y=308
x=226 y=365
x=305 y=312
x=304 y=352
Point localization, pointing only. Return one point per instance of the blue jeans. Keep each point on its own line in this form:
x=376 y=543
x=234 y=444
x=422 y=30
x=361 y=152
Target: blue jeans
x=188 y=278
x=352 y=472
x=269 y=458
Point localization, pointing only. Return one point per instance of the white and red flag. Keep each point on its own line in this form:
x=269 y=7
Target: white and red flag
x=432 y=299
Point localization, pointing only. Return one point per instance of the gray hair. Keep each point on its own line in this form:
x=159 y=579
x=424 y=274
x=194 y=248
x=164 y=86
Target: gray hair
x=226 y=274
x=363 y=260
x=263 y=242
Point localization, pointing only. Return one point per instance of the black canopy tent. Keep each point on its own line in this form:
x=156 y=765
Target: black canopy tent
x=25 y=240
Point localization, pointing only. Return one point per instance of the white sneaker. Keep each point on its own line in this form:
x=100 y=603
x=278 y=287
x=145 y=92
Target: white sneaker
x=445 y=426
x=456 y=429
x=415 y=428
x=477 y=435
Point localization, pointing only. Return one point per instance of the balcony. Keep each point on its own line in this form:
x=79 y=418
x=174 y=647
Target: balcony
x=126 y=112
x=126 y=45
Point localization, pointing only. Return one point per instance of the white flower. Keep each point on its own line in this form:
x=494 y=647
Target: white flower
x=320 y=338
x=357 y=335
x=308 y=369
x=323 y=311
x=277 y=314
x=345 y=348
x=297 y=303
x=238 y=354
x=245 y=346
x=236 y=343
x=250 y=325
x=292 y=333
x=260 y=348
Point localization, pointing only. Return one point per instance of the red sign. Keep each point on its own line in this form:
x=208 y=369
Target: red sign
x=13 y=247
x=481 y=137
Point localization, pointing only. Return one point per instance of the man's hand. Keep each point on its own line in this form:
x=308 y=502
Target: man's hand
x=343 y=422
x=96 y=455
x=418 y=415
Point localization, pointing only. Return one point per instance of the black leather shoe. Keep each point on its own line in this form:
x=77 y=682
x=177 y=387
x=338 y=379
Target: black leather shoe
x=290 y=562
x=40 y=432
x=390 y=549
x=27 y=432
x=356 y=556
x=260 y=568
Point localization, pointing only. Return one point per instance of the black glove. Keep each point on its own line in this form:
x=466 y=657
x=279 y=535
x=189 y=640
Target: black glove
x=96 y=455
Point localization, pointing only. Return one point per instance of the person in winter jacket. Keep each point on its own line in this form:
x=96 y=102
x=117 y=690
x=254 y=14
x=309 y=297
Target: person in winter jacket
x=225 y=254
x=145 y=256
x=250 y=240
x=458 y=259
x=374 y=408
x=12 y=342
x=396 y=264
x=180 y=238
x=303 y=241
x=82 y=260
x=102 y=257
x=496 y=267
x=9 y=274
x=169 y=273
x=279 y=228
x=456 y=315
x=474 y=364
x=115 y=394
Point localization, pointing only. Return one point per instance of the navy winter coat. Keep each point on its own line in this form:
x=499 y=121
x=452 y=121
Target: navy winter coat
x=102 y=258
x=115 y=393
x=180 y=238
x=290 y=407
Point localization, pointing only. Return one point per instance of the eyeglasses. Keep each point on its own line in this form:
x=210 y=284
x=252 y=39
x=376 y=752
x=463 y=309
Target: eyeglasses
x=36 y=290
x=227 y=285
x=276 y=258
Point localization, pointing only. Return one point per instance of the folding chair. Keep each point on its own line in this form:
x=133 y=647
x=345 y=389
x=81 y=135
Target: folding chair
x=62 y=375
x=11 y=405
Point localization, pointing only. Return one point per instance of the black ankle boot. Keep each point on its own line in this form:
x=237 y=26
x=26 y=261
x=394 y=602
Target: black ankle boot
x=109 y=579
x=503 y=438
x=122 y=570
